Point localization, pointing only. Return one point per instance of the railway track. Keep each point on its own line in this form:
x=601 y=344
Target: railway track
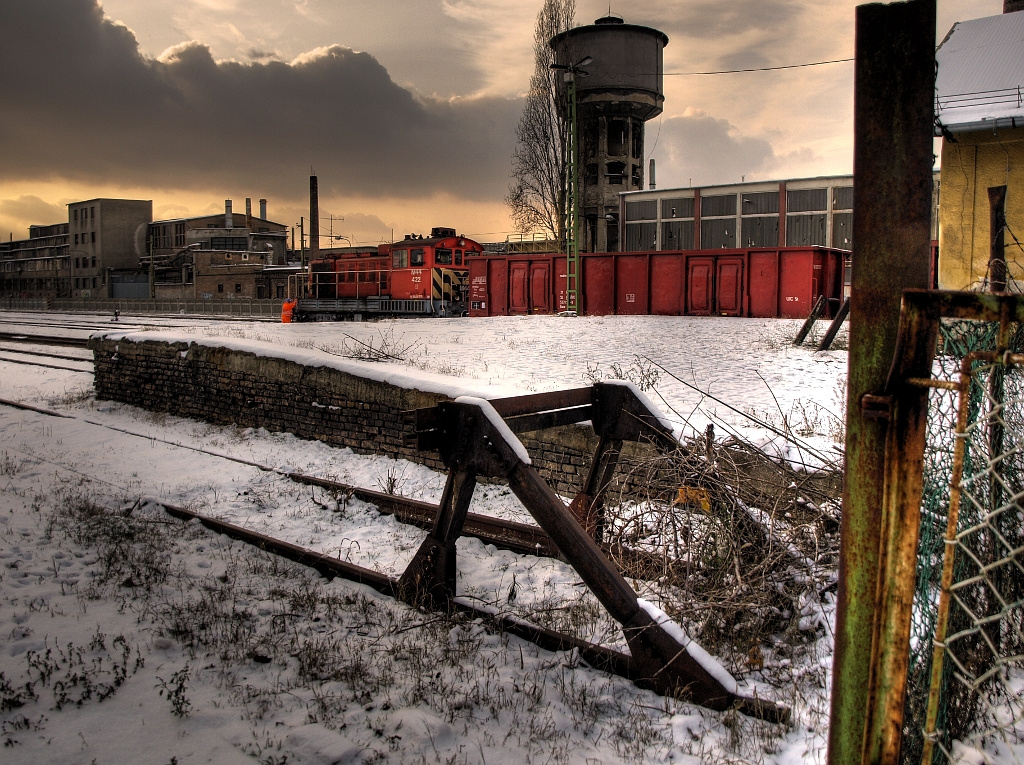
x=26 y=362
x=520 y=538
x=21 y=337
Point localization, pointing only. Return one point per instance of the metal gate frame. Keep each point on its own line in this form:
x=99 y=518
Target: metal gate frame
x=903 y=407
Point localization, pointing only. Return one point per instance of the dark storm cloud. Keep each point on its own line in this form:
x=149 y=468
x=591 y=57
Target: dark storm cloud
x=80 y=102
x=702 y=150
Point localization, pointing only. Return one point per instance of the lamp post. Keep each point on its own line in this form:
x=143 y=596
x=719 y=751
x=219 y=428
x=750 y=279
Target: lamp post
x=572 y=182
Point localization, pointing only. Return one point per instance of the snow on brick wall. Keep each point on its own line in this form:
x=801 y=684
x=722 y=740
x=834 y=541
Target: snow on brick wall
x=228 y=386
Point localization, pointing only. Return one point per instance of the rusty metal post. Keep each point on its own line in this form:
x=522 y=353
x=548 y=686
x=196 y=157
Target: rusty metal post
x=895 y=78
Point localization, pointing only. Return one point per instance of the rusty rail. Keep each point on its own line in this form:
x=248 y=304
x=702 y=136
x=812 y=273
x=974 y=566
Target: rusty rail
x=598 y=656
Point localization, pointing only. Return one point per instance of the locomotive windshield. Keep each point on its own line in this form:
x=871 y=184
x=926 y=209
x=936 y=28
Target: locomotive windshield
x=443 y=256
x=416 y=256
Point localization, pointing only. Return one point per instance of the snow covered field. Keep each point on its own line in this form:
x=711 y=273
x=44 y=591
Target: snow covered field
x=146 y=637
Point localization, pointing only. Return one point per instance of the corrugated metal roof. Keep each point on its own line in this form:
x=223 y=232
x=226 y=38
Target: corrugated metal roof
x=980 y=74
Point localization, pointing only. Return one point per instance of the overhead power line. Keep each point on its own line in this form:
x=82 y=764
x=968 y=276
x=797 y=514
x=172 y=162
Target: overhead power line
x=761 y=69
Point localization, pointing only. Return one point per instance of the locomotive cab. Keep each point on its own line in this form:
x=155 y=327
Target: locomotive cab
x=418 y=276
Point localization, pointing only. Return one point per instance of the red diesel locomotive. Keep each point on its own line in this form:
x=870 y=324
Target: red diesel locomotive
x=418 y=276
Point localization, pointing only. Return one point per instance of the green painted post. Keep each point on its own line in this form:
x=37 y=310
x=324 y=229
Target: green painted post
x=895 y=76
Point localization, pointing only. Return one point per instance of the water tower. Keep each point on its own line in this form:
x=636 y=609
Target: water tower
x=617 y=90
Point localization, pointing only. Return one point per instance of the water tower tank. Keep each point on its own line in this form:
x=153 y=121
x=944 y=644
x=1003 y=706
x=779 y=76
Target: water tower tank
x=622 y=90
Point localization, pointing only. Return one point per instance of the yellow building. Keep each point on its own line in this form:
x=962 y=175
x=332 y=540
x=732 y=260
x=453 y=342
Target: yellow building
x=980 y=115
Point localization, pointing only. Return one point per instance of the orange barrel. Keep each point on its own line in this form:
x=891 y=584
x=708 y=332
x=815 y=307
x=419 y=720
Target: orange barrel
x=287 y=308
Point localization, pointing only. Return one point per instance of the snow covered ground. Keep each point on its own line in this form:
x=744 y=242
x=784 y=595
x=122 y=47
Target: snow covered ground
x=143 y=637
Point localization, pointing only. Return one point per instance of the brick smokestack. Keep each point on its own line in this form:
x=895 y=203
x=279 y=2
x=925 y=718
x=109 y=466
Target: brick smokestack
x=248 y=212
x=228 y=222
x=314 y=219
x=263 y=209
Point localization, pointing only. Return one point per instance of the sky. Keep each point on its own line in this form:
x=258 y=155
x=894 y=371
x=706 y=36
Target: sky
x=404 y=109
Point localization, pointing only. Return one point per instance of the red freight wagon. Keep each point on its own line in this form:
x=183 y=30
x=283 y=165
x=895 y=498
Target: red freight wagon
x=760 y=282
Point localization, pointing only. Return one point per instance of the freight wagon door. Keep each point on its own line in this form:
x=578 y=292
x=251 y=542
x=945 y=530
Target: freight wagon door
x=797 y=283
x=540 y=287
x=630 y=285
x=667 y=295
x=729 y=280
x=700 y=286
x=497 y=286
x=518 y=287
x=598 y=296
x=764 y=284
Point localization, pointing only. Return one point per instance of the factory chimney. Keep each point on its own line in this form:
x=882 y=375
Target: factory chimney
x=248 y=212
x=314 y=219
x=263 y=209
x=650 y=176
x=228 y=223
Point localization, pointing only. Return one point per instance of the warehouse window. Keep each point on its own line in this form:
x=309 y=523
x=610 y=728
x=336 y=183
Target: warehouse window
x=237 y=243
x=238 y=288
x=677 y=235
x=715 y=234
x=760 y=203
x=842 y=198
x=220 y=288
x=93 y=237
x=761 y=231
x=720 y=204
x=807 y=200
x=638 y=140
x=678 y=207
x=842 y=231
x=641 y=236
x=647 y=210
x=806 y=230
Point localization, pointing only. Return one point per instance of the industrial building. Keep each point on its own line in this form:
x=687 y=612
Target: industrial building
x=786 y=213
x=210 y=257
x=112 y=248
x=980 y=115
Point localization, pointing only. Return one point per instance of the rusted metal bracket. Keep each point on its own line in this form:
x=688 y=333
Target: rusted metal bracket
x=476 y=438
x=904 y=406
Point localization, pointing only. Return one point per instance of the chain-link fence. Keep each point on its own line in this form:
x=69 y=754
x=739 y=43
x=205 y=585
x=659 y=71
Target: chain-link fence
x=965 y=692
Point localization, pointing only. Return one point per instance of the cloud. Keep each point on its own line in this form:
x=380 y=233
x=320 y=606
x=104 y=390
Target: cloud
x=698 y=149
x=16 y=215
x=80 y=102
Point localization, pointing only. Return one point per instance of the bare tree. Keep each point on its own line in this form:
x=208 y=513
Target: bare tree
x=536 y=195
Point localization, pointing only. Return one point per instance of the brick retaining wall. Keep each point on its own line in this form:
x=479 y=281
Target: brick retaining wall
x=226 y=386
